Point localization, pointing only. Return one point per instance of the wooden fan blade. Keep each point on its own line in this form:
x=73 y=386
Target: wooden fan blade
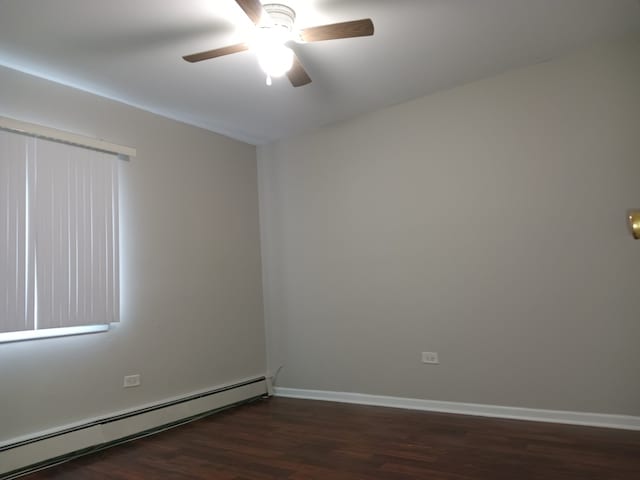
x=355 y=28
x=218 y=52
x=297 y=75
x=253 y=9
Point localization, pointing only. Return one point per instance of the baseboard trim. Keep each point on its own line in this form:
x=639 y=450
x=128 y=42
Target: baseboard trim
x=26 y=454
x=515 y=413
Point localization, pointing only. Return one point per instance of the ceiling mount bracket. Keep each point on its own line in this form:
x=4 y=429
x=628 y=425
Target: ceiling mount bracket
x=280 y=15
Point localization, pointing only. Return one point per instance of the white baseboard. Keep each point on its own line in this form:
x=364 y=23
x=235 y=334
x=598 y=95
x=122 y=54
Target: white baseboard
x=21 y=453
x=516 y=413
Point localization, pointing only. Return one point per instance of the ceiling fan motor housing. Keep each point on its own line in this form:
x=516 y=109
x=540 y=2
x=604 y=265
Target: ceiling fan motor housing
x=280 y=15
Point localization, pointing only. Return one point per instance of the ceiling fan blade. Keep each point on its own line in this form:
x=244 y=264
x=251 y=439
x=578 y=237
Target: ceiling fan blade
x=297 y=75
x=253 y=9
x=218 y=52
x=355 y=28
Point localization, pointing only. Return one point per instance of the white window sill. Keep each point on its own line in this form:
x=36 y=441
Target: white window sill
x=50 y=332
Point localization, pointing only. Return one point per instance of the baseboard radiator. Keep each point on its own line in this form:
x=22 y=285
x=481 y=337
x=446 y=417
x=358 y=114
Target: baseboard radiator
x=32 y=454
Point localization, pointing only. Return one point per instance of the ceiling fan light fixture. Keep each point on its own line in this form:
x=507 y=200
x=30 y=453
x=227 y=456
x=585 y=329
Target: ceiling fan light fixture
x=269 y=40
x=275 y=60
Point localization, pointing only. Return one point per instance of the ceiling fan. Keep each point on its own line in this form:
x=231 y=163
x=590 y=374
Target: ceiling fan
x=275 y=24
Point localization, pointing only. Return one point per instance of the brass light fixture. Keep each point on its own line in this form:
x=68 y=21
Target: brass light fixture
x=634 y=223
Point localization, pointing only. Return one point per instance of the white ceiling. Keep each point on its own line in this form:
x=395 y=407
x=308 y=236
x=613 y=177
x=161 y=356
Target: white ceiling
x=131 y=50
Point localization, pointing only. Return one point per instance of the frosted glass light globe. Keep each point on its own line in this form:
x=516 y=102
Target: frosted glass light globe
x=275 y=59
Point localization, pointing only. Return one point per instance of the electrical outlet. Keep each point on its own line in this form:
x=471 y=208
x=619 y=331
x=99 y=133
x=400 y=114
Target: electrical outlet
x=131 y=381
x=430 y=357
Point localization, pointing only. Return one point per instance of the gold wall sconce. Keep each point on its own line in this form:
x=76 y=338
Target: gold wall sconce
x=634 y=223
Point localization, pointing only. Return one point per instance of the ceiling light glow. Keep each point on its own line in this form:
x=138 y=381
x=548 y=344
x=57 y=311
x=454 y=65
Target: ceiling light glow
x=276 y=60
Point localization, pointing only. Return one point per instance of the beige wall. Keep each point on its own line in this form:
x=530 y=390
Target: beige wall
x=191 y=284
x=486 y=223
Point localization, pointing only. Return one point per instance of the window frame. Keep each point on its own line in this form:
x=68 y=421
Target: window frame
x=80 y=141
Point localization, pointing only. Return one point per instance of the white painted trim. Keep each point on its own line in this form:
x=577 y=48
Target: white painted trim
x=23 y=335
x=625 y=422
x=65 y=137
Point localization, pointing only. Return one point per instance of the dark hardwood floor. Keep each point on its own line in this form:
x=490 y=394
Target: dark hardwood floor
x=290 y=439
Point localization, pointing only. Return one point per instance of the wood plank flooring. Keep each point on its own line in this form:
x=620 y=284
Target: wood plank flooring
x=289 y=439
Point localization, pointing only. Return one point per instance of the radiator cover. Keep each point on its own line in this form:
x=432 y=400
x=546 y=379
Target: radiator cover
x=40 y=451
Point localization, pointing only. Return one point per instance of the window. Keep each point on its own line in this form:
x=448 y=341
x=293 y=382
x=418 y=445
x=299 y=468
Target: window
x=58 y=238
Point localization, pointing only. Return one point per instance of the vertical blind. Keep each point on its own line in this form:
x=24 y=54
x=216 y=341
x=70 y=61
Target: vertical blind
x=59 y=235
x=15 y=312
